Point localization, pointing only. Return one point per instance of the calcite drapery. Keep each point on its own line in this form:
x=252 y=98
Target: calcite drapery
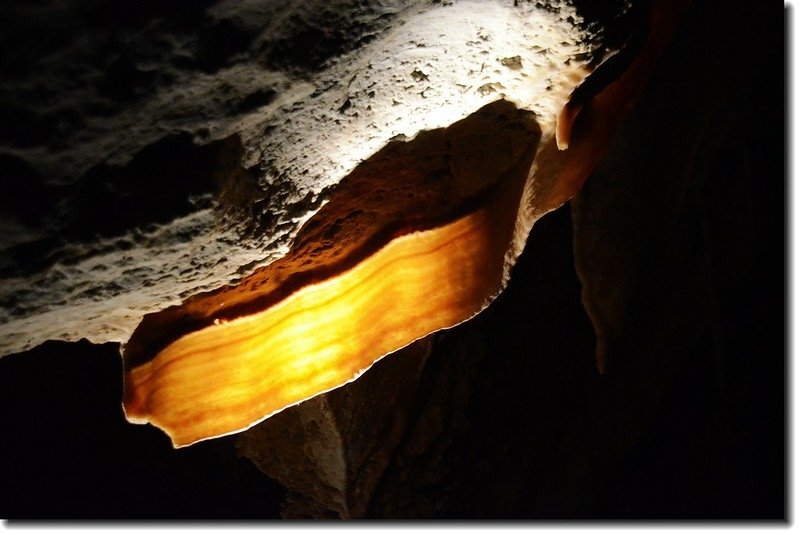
x=324 y=313
x=118 y=148
x=374 y=270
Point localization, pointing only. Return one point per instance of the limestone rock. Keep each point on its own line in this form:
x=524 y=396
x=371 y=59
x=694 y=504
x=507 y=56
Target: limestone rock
x=678 y=239
x=669 y=271
x=296 y=94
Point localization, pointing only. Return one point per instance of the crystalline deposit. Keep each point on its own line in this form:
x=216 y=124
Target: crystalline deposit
x=263 y=109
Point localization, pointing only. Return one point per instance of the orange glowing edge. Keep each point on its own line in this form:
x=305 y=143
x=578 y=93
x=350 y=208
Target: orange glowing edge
x=230 y=376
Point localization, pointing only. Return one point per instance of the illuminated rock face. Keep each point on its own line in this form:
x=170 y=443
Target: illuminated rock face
x=418 y=238
x=665 y=266
x=248 y=114
x=222 y=361
x=377 y=268
x=254 y=166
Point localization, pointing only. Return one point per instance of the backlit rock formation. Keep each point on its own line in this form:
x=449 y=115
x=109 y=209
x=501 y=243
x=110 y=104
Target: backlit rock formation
x=197 y=137
x=418 y=238
x=204 y=165
x=467 y=200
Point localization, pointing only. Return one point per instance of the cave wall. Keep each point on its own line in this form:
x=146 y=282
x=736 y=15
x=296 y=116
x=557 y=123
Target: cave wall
x=673 y=254
x=674 y=250
x=166 y=150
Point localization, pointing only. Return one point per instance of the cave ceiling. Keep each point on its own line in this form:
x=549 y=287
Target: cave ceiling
x=152 y=152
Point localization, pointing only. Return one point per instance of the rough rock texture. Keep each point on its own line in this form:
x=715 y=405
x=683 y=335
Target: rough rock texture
x=419 y=184
x=509 y=418
x=227 y=359
x=419 y=237
x=103 y=105
x=666 y=252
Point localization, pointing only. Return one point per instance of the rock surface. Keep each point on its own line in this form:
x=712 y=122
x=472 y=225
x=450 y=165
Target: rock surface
x=272 y=102
x=419 y=237
x=345 y=438
x=664 y=249
x=420 y=224
x=407 y=186
x=679 y=262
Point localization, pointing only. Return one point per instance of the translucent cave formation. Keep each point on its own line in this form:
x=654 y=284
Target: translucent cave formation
x=398 y=259
x=420 y=237
x=242 y=118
